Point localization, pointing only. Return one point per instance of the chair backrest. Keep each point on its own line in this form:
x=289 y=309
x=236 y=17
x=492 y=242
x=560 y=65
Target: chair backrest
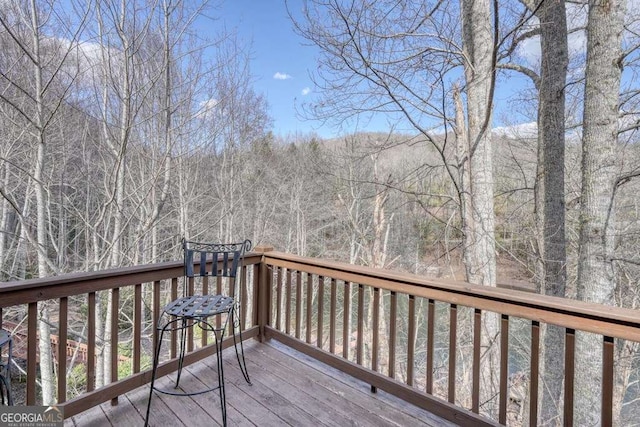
x=214 y=259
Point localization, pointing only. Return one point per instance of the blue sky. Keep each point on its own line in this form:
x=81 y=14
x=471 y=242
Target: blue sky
x=280 y=63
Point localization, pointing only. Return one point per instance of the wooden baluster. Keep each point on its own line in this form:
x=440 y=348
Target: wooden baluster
x=91 y=341
x=218 y=292
x=359 y=337
x=269 y=296
x=431 y=319
x=262 y=295
x=477 y=344
x=504 y=368
x=393 y=314
x=115 y=312
x=309 y=301
x=411 y=339
x=569 y=371
x=535 y=369
x=205 y=291
x=453 y=336
x=191 y=283
x=156 y=314
x=298 y=303
x=174 y=331
x=287 y=320
x=232 y=287
x=279 y=280
x=332 y=317
x=346 y=327
x=32 y=352
x=375 y=329
x=256 y=295
x=62 y=349
x=320 y=310
x=137 y=326
x=243 y=298
x=607 y=381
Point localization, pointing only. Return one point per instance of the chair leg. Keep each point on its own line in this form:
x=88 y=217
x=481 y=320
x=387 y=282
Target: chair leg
x=239 y=354
x=219 y=334
x=156 y=361
x=7 y=371
x=5 y=387
x=183 y=346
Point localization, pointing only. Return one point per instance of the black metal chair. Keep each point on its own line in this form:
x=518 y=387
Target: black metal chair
x=211 y=313
x=5 y=368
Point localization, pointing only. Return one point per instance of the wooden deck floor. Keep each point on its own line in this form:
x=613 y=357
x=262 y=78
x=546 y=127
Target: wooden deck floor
x=288 y=388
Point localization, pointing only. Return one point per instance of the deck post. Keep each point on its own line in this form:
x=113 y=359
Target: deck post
x=263 y=290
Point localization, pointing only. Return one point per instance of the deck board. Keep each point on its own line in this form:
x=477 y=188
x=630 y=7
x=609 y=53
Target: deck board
x=123 y=413
x=288 y=388
x=349 y=405
x=234 y=416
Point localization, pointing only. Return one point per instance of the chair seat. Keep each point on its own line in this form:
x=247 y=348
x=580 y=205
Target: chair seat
x=199 y=306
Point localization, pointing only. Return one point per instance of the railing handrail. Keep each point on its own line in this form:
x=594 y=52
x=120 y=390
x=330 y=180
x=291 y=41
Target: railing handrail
x=165 y=275
x=71 y=284
x=600 y=319
x=271 y=277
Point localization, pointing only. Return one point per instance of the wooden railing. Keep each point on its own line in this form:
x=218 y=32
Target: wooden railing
x=397 y=332
x=161 y=282
x=330 y=310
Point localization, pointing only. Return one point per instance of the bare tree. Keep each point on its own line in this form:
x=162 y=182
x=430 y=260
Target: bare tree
x=397 y=59
x=375 y=59
x=549 y=189
x=596 y=275
x=551 y=131
x=47 y=62
x=478 y=215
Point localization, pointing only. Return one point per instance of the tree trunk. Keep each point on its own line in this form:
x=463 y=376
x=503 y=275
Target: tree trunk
x=46 y=362
x=4 y=222
x=46 y=357
x=480 y=261
x=596 y=278
x=551 y=130
x=477 y=214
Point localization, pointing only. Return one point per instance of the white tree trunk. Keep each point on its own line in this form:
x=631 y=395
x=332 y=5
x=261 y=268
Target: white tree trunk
x=480 y=260
x=4 y=215
x=46 y=362
x=596 y=276
x=477 y=209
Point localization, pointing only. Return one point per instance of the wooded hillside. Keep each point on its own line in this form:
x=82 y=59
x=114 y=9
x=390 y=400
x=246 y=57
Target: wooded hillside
x=124 y=130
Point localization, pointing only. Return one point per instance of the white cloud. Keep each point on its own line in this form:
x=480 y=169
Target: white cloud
x=577 y=15
x=531 y=50
x=281 y=76
x=522 y=130
x=577 y=43
x=209 y=104
x=206 y=108
x=306 y=91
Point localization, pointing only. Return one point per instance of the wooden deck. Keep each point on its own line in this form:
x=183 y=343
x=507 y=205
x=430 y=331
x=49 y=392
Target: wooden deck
x=289 y=388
